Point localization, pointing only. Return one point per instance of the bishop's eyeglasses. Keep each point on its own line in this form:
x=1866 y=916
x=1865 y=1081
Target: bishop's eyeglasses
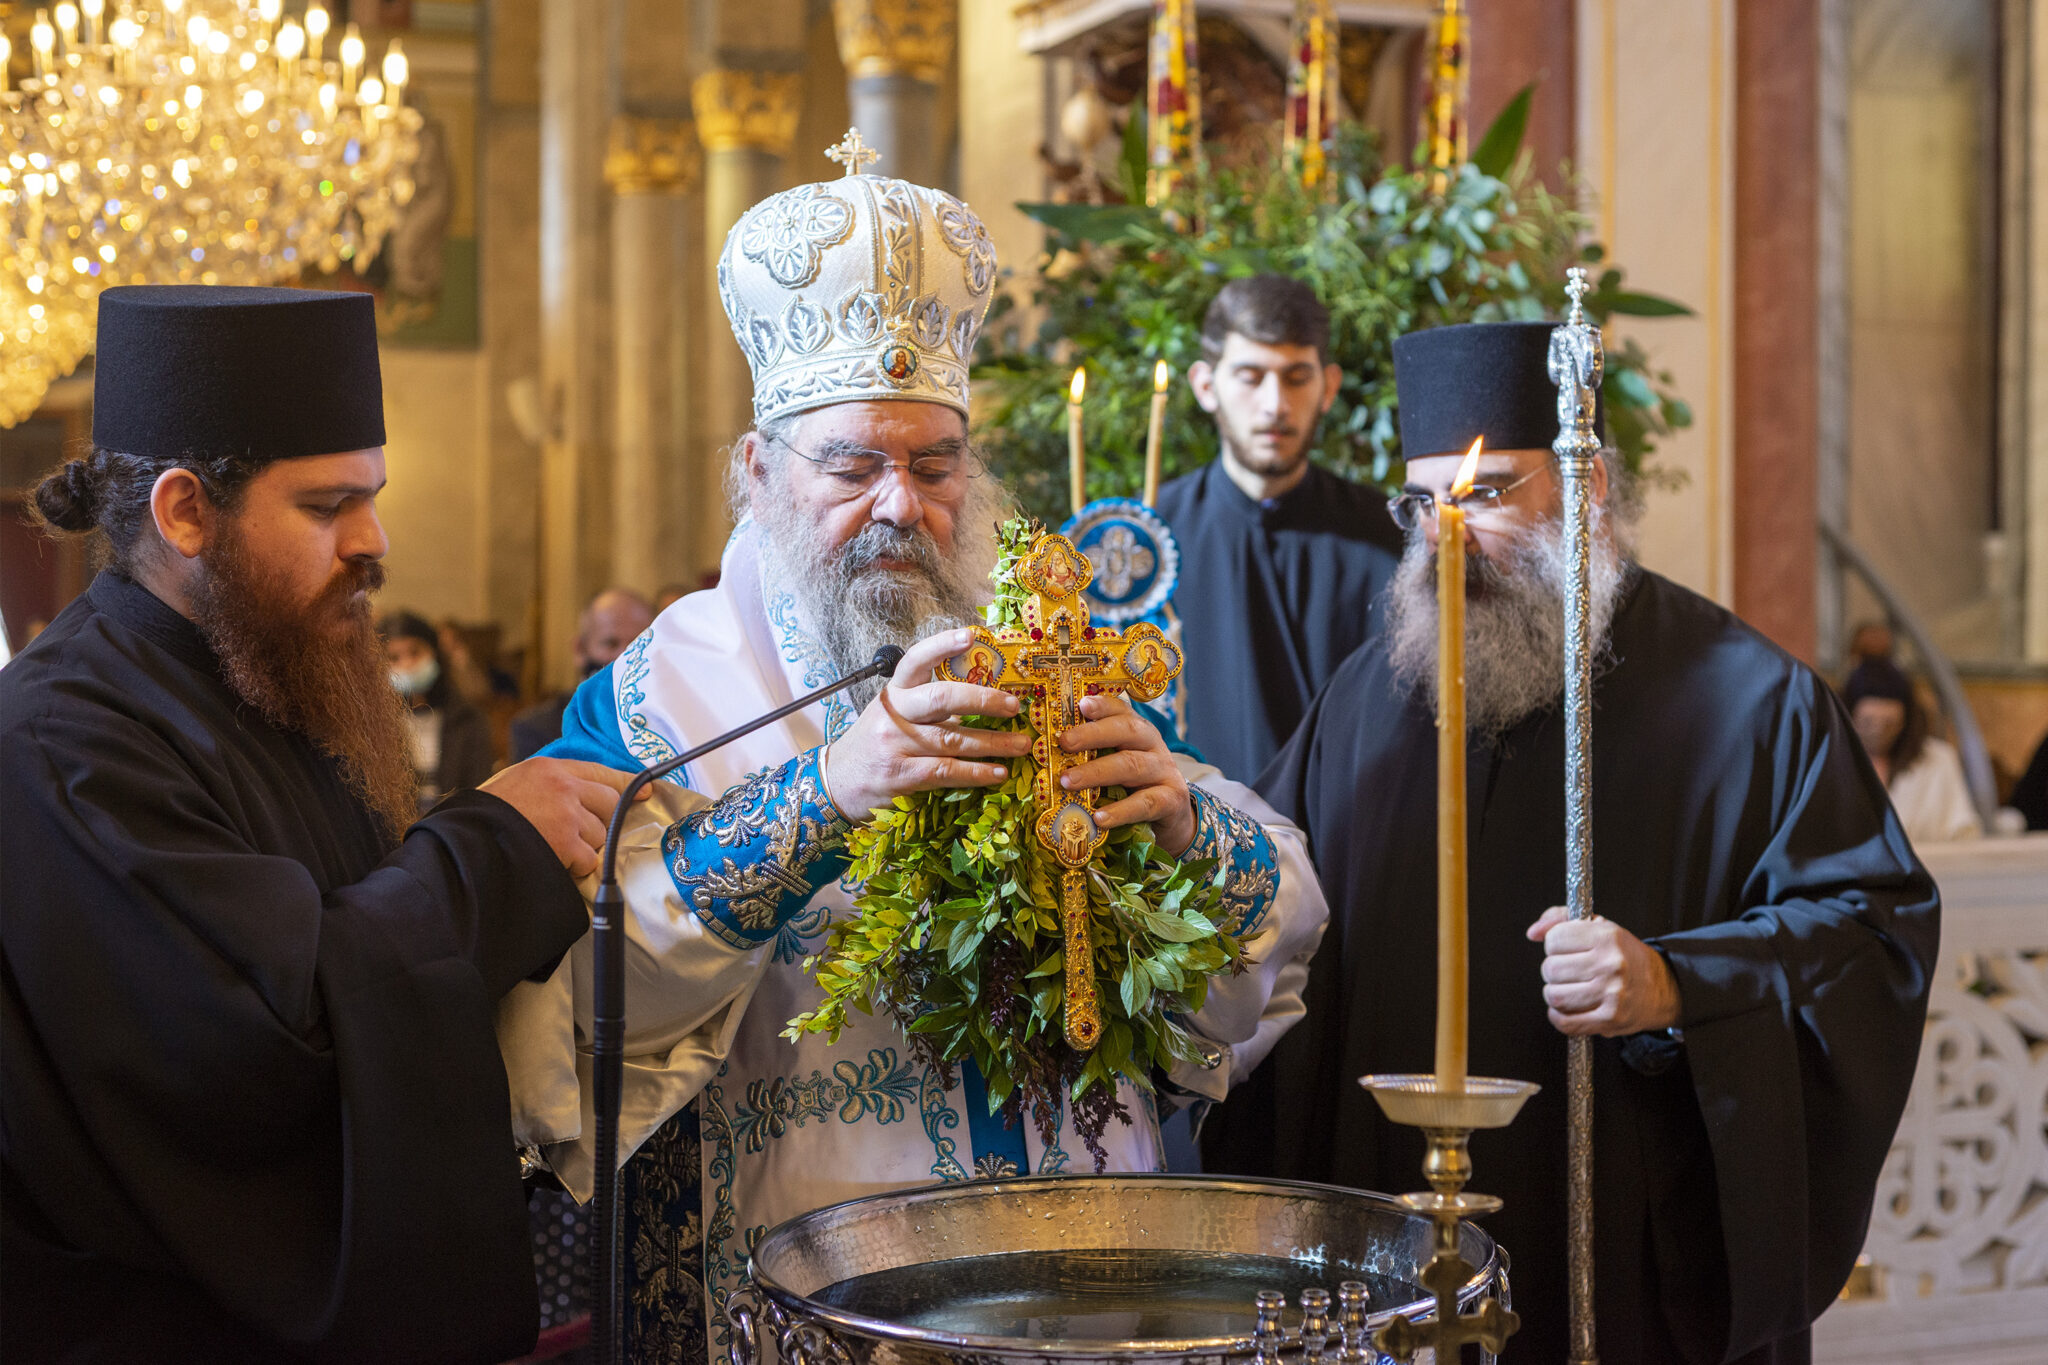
x=857 y=470
x=1410 y=510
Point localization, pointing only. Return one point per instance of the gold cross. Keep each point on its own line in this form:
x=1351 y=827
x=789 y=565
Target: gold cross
x=1053 y=660
x=852 y=153
x=1446 y=1333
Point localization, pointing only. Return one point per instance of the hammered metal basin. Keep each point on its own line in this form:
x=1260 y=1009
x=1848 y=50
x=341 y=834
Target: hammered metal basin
x=1081 y=1268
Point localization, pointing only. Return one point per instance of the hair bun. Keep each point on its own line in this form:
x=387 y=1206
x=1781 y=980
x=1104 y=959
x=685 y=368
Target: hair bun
x=69 y=498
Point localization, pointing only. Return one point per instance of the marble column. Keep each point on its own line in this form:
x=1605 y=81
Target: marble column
x=652 y=166
x=745 y=121
x=896 y=53
x=1515 y=43
x=578 y=89
x=1776 y=488
x=508 y=191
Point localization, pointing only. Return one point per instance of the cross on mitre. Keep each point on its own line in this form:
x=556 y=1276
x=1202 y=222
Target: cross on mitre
x=852 y=153
x=1051 y=661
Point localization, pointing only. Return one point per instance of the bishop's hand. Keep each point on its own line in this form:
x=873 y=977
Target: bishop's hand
x=1598 y=978
x=1130 y=754
x=909 y=738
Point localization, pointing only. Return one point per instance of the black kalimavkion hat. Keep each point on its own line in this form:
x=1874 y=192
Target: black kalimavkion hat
x=1491 y=379
x=212 y=370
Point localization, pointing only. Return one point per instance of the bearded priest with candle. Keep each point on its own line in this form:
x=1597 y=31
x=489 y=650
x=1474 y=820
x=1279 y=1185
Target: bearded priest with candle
x=865 y=518
x=1756 y=975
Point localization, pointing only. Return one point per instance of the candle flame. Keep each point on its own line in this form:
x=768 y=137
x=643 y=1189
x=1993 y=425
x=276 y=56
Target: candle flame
x=1160 y=377
x=1468 y=470
x=1080 y=384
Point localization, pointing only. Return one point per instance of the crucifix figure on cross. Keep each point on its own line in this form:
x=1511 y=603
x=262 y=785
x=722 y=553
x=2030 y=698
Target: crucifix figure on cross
x=1052 y=660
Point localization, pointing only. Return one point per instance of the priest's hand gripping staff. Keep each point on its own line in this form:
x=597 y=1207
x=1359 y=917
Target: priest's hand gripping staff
x=607 y=1053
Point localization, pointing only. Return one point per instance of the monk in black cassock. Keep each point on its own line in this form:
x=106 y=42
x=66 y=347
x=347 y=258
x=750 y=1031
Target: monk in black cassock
x=253 y=1103
x=1757 y=980
x=1280 y=559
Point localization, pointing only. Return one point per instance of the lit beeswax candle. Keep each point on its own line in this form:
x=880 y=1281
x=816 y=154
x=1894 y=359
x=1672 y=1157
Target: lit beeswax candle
x=1451 y=935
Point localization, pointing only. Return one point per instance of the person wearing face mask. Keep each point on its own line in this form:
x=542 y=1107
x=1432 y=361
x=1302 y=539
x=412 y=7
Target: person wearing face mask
x=254 y=1104
x=864 y=518
x=1923 y=775
x=450 y=739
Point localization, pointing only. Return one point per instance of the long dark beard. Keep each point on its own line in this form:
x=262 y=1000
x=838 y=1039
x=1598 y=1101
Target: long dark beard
x=1514 y=622
x=316 y=668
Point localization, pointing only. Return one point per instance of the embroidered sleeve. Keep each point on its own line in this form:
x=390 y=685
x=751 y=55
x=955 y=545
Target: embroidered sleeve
x=1243 y=852
x=752 y=859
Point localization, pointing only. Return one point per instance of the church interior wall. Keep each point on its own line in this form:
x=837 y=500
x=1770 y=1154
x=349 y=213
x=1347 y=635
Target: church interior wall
x=2030 y=311
x=1001 y=129
x=1923 y=306
x=1640 y=99
x=433 y=459
x=1653 y=136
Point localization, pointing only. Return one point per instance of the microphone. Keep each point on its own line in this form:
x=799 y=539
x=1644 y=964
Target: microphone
x=608 y=1008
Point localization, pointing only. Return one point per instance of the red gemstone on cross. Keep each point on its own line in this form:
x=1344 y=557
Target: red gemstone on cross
x=1087 y=632
x=1037 y=634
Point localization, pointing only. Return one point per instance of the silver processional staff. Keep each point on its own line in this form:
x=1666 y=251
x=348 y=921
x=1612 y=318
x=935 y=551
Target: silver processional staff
x=1576 y=362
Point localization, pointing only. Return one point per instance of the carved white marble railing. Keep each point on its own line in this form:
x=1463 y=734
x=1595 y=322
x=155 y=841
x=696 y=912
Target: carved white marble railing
x=1958 y=1245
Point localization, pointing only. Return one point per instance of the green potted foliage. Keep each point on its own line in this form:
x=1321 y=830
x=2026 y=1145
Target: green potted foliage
x=1125 y=285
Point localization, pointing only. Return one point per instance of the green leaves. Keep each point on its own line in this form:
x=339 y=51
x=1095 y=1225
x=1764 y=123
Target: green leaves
x=1496 y=151
x=956 y=937
x=1389 y=253
x=1093 y=222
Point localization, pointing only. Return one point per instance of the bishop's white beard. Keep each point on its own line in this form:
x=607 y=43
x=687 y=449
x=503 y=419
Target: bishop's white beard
x=853 y=608
x=1514 y=621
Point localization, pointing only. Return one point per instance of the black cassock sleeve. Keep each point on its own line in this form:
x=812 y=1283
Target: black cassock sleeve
x=219 y=1076
x=1802 y=1017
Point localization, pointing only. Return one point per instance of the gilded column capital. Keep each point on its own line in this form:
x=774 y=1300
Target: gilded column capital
x=896 y=37
x=652 y=156
x=747 y=110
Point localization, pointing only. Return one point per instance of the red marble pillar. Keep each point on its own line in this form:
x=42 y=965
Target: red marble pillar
x=1515 y=42
x=1777 y=319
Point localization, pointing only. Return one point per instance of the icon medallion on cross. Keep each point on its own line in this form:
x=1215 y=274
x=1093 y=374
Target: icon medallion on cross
x=1055 y=658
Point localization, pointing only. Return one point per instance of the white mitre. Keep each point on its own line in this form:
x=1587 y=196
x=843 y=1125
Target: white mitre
x=858 y=288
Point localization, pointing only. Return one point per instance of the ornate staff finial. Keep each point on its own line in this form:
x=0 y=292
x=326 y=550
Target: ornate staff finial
x=1575 y=285
x=852 y=152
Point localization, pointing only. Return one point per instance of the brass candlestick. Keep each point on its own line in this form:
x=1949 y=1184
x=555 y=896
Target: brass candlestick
x=1448 y=1118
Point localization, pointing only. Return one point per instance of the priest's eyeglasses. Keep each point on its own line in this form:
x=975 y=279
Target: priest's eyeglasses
x=858 y=469
x=1409 y=510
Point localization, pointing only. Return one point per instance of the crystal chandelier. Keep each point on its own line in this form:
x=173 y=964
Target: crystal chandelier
x=188 y=141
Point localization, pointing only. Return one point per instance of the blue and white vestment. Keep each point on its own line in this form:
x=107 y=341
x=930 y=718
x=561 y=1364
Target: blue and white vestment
x=731 y=875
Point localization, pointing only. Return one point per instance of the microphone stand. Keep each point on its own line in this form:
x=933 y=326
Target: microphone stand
x=608 y=952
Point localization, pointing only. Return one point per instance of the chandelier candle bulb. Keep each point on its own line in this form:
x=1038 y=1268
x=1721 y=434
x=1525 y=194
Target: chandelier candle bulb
x=1155 y=430
x=42 y=42
x=316 y=32
x=396 y=69
x=93 y=11
x=291 y=44
x=1452 y=971
x=6 y=52
x=67 y=24
x=1077 y=460
x=351 y=58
